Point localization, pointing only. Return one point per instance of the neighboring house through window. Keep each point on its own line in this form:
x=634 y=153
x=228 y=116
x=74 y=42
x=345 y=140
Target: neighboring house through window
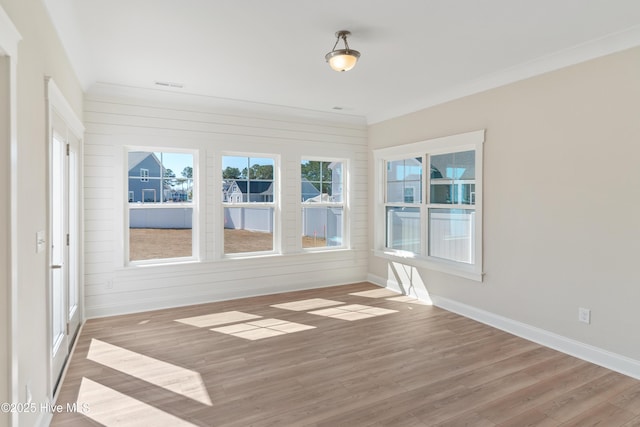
x=161 y=199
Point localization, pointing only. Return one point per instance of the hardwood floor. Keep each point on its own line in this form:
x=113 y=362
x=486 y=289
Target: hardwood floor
x=330 y=359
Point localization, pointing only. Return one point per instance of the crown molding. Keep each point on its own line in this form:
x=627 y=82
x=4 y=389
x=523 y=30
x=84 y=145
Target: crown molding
x=583 y=52
x=197 y=102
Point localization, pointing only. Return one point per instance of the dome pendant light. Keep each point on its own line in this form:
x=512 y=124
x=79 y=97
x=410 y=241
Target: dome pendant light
x=342 y=59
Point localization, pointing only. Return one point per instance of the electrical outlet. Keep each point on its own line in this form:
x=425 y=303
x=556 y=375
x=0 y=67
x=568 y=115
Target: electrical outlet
x=28 y=396
x=584 y=315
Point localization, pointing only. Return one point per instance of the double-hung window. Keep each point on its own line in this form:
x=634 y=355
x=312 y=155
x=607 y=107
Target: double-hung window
x=249 y=195
x=430 y=203
x=160 y=194
x=323 y=214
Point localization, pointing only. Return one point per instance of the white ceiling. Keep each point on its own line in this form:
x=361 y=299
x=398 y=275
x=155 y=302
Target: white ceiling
x=415 y=53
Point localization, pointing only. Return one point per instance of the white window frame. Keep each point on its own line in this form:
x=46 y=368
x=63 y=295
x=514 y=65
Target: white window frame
x=343 y=204
x=144 y=175
x=448 y=144
x=194 y=205
x=275 y=205
x=403 y=203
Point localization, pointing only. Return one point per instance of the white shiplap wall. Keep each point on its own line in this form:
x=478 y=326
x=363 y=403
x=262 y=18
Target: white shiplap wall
x=118 y=117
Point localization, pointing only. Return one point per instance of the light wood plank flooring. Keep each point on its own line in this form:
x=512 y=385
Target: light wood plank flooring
x=327 y=357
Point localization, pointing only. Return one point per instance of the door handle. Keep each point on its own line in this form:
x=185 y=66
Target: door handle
x=56 y=266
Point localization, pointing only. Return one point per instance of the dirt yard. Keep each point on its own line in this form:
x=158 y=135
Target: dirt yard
x=156 y=243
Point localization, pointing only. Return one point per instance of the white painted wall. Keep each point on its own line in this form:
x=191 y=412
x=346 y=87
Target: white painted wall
x=40 y=53
x=561 y=199
x=116 y=118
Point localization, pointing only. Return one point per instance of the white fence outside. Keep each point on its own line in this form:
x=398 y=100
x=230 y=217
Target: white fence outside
x=450 y=234
x=253 y=219
x=161 y=218
x=321 y=222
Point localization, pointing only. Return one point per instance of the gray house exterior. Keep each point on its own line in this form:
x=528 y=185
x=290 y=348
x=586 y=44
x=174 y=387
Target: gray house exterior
x=236 y=191
x=145 y=173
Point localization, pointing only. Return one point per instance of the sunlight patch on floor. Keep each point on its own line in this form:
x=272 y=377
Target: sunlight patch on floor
x=376 y=293
x=112 y=408
x=407 y=299
x=353 y=312
x=307 y=304
x=260 y=329
x=389 y=295
x=162 y=374
x=209 y=320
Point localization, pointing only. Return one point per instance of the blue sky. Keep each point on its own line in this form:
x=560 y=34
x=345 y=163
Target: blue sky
x=178 y=161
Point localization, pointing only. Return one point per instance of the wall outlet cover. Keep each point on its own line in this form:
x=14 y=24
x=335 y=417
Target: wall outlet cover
x=584 y=315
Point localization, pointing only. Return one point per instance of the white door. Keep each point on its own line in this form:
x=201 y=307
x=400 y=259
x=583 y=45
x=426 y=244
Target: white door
x=64 y=280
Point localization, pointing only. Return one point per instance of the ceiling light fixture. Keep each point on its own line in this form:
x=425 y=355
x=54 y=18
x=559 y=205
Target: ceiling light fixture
x=342 y=59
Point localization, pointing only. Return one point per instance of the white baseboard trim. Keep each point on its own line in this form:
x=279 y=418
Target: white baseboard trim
x=171 y=301
x=419 y=293
x=604 y=358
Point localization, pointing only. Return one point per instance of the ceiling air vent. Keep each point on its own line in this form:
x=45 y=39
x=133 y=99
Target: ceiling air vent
x=169 y=84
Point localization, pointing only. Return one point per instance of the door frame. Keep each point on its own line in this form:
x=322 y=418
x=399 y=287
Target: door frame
x=58 y=107
x=9 y=39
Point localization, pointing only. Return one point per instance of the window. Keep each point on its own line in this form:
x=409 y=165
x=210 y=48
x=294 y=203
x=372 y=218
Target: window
x=452 y=183
x=322 y=191
x=430 y=207
x=403 y=194
x=161 y=199
x=248 y=198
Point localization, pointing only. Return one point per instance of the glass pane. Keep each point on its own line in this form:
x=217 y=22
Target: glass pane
x=157 y=177
x=460 y=165
x=160 y=233
x=247 y=179
x=248 y=229
x=404 y=181
x=403 y=228
x=58 y=316
x=451 y=234
x=321 y=226
x=453 y=178
x=73 y=234
x=321 y=181
x=453 y=192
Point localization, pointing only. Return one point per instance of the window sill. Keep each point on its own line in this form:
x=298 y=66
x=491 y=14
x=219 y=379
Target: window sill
x=161 y=262
x=440 y=265
x=304 y=252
